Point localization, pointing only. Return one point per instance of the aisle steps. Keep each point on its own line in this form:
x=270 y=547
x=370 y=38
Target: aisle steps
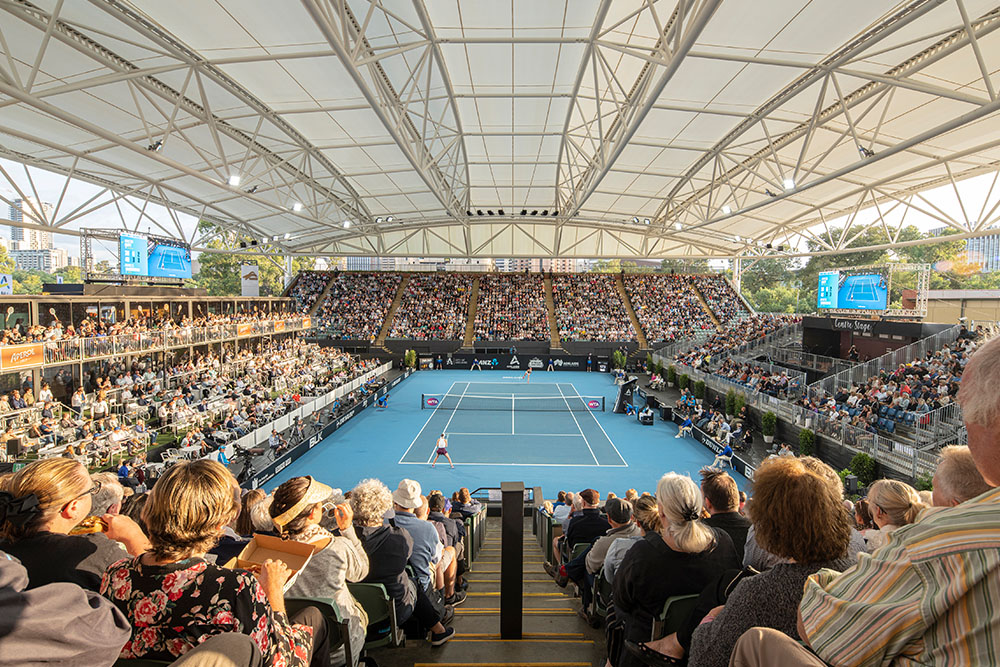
x=704 y=304
x=387 y=324
x=470 y=321
x=322 y=296
x=553 y=635
x=627 y=302
x=550 y=307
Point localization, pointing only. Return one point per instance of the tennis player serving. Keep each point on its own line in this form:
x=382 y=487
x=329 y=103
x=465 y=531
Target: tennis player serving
x=442 y=449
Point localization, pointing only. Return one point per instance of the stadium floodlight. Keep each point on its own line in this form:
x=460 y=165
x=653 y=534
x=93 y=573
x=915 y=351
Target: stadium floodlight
x=500 y=212
x=288 y=235
x=297 y=206
x=490 y=211
x=390 y=219
x=252 y=190
x=468 y=212
x=635 y=219
x=347 y=224
x=378 y=220
x=555 y=213
x=234 y=180
x=865 y=152
x=534 y=212
x=524 y=211
x=726 y=210
x=479 y=211
x=789 y=184
x=678 y=226
x=645 y=221
x=156 y=146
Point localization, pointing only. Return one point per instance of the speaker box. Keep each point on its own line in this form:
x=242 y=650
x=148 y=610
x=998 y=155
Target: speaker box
x=666 y=413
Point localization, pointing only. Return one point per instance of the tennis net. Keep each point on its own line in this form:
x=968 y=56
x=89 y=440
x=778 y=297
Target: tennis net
x=512 y=403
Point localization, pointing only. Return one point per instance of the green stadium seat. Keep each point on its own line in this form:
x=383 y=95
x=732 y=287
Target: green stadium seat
x=383 y=630
x=675 y=611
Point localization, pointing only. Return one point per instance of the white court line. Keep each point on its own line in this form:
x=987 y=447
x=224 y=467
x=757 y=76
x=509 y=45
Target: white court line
x=524 y=465
x=433 y=412
x=453 y=411
x=577 y=424
x=597 y=421
x=548 y=435
x=512 y=414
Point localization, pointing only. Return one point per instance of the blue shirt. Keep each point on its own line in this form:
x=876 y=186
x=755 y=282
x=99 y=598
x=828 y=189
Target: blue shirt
x=687 y=422
x=123 y=471
x=426 y=545
x=728 y=451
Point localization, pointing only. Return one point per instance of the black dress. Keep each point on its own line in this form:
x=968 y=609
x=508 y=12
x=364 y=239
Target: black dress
x=652 y=572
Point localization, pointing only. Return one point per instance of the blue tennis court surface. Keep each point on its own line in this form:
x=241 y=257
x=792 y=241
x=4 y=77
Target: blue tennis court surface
x=513 y=423
x=556 y=449
x=866 y=291
x=169 y=262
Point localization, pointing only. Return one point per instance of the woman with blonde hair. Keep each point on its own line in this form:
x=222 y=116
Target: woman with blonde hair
x=296 y=511
x=679 y=559
x=893 y=504
x=175 y=599
x=54 y=497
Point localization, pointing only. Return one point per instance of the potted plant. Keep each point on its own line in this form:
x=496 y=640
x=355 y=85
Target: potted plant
x=410 y=358
x=768 y=426
x=807 y=440
x=650 y=366
x=683 y=381
x=671 y=376
x=731 y=402
x=699 y=389
x=864 y=467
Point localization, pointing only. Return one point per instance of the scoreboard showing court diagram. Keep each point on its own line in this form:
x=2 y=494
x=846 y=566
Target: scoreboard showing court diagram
x=890 y=290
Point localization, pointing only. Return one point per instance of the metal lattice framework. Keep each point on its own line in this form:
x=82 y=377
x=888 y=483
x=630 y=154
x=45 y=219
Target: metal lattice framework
x=591 y=128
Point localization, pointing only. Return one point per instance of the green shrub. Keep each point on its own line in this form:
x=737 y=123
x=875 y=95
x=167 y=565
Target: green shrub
x=649 y=363
x=618 y=359
x=683 y=381
x=843 y=476
x=671 y=375
x=864 y=467
x=924 y=483
x=807 y=441
x=731 y=402
x=410 y=358
x=769 y=423
x=738 y=403
x=699 y=389
x=659 y=369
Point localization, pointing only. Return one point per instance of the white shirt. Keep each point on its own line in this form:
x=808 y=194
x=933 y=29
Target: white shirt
x=442 y=443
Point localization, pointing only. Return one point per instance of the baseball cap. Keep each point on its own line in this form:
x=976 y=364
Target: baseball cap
x=407 y=494
x=618 y=510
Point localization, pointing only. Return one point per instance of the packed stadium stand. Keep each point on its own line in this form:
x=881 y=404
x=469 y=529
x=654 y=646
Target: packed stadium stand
x=666 y=305
x=433 y=307
x=588 y=307
x=356 y=304
x=511 y=306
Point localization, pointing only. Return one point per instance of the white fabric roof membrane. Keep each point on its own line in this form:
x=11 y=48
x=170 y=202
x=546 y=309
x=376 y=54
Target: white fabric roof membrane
x=695 y=128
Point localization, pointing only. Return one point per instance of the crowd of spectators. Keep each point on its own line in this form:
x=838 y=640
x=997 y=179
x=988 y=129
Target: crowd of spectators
x=589 y=307
x=356 y=305
x=511 y=306
x=904 y=395
x=666 y=306
x=157 y=579
x=756 y=378
x=796 y=566
x=721 y=298
x=433 y=307
x=730 y=337
x=308 y=288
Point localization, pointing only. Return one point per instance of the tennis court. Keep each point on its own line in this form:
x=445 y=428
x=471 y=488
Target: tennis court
x=512 y=423
x=867 y=291
x=169 y=260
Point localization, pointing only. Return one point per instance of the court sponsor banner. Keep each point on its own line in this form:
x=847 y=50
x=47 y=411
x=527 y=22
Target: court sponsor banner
x=21 y=356
x=431 y=402
x=739 y=465
x=307 y=323
x=249 y=280
x=6 y=284
x=244 y=329
x=279 y=326
x=503 y=362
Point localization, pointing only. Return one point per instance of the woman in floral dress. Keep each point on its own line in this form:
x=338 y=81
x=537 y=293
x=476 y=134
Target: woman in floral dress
x=176 y=600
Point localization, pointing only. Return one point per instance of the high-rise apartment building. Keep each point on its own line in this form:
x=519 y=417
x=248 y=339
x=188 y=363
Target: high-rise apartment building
x=30 y=211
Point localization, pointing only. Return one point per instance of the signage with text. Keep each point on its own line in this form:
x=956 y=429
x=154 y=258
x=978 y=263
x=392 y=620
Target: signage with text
x=21 y=356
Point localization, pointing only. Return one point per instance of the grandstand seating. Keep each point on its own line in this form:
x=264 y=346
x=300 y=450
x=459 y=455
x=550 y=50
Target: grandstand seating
x=434 y=307
x=666 y=306
x=356 y=304
x=308 y=287
x=511 y=306
x=588 y=307
x=721 y=298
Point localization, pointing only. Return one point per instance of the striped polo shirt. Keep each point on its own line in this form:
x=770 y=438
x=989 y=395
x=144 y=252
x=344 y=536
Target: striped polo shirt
x=931 y=595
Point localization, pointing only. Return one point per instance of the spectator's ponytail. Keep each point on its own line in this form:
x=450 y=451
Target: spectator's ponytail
x=898 y=500
x=680 y=504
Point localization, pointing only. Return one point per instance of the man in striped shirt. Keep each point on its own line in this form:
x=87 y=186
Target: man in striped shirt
x=931 y=595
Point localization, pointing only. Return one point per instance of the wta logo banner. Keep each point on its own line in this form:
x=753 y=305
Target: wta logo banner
x=593 y=405
x=432 y=402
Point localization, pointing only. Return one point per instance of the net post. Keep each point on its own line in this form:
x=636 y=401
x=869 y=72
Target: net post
x=422 y=401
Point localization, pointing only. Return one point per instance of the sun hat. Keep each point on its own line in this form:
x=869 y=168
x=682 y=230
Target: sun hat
x=316 y=493
x=407 y=495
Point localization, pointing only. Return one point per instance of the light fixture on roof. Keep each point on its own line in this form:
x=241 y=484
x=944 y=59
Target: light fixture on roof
x=469 y=213
x=288 y=235
x=726 y=210
x=865 y=152
x=297 y=206
x=645 y=221
x=500 y=212
x=390 y=219
x=490 y=211
x=252 y=190
x=156 y=146
x=378 y=220
x=555 y=213
x=545 y=212
x=789 y=184
x=524 y=211
x=768 y=192
x=234 y=180
x=635 y=219
x=347 y=224
x=677 y=226
x=534 y=212
x=479 y=211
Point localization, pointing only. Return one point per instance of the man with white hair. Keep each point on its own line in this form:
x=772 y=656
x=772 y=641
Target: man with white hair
x=956 y=478
x=928 y=596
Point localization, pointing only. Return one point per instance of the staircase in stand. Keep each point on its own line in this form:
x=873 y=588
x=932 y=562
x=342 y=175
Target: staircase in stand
x=704 y=304
x=550 y=308
x=470 y=321
x=553 y=635
x=322 y=295
x=627 y=302
x=387 y=324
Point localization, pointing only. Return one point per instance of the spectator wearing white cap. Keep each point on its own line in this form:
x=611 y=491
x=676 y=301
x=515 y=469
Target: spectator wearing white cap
x=427 y=547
